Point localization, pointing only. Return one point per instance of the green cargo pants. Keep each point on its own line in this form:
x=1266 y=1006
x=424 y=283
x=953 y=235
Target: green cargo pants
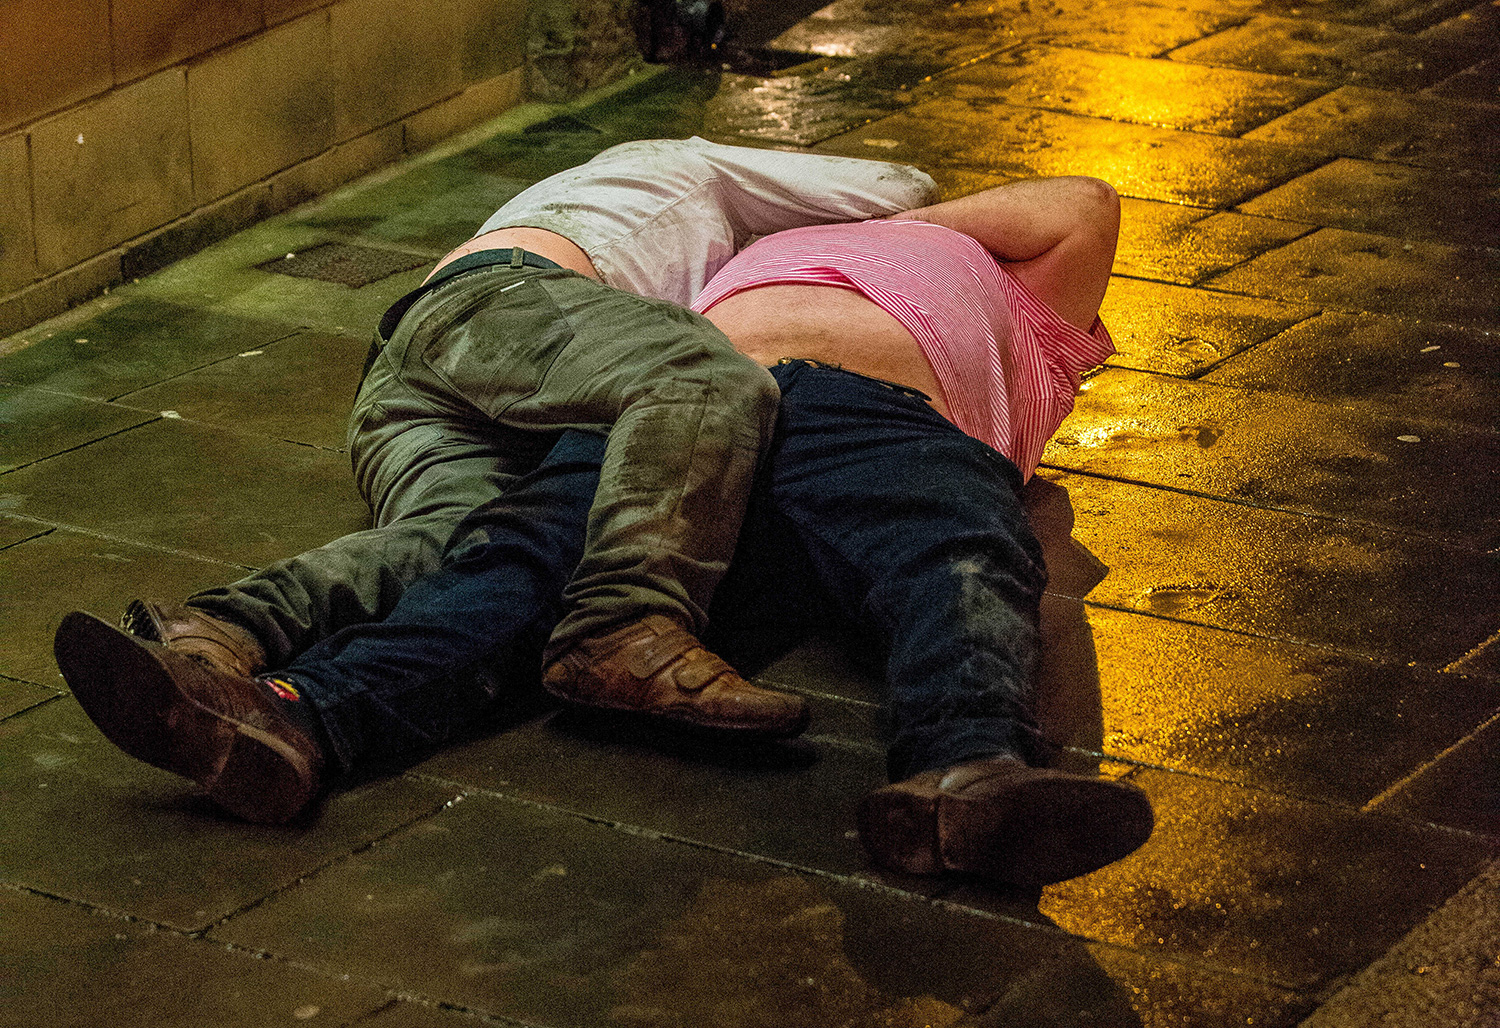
x=512 y=354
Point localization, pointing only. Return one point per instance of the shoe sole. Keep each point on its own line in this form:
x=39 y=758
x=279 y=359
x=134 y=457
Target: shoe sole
x=136 y=702
x=1033 y=833
x=679 y=719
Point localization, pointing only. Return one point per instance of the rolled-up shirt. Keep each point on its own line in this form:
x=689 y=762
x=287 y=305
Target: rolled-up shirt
x=1009 y=366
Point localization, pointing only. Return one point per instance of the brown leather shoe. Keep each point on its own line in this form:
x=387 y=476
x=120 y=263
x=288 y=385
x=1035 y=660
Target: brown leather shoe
x=181 y=715
x=656 y=668
x=225 y=646
x=1000 y=819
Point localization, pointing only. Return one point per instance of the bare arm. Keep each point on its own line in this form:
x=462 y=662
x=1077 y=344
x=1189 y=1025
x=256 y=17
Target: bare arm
x=1057 y=235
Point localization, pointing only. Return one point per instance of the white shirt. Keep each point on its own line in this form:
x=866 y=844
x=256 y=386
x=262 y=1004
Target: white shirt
x=659 y=217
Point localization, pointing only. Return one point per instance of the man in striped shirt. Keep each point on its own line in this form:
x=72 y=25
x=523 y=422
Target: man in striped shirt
x=908 y=506
x=873 y=509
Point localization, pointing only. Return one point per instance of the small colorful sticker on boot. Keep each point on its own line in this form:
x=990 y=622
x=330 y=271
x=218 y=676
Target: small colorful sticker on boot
x=281 y=687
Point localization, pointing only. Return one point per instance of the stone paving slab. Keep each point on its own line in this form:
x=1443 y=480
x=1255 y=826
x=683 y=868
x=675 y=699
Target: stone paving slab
x=60 y=959
x=1445 y=972
x=18 y=530
x=1481 y=83
x=1130 y=990
x=1166 y=94
x=808 y=104
x=1293 y=893
x=16 y=696
x=411 y=1014
x=226 y=279
x=188 y=486
x=1330 y=51
x=1291 y=719
x=38 y=424
x=1361 y=271
x=433 y=208
x=1392 y=199
x=60 y=570
x=110 y=348
x=87 y=823
x=1406 y=15
x=1427 y=131
x=1422 y=370
x=1284 y=576
x=1183 y=245
x=792 y=802
x=1458 y=787
x=1346 y=461
x=298 y=389
x=964 y=31
x=1139 y=160
x=1187 y=332
x=522 y=912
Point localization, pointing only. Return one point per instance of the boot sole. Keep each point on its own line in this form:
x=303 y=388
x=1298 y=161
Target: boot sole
x=1031 y=832
x=136 y=702
x=679 y=719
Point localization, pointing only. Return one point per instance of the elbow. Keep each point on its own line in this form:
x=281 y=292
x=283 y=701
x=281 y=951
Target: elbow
x=1094 y=212
x=1099 y=203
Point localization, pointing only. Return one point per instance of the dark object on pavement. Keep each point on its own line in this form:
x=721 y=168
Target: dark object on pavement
x=226 y=732
x=1002 y=820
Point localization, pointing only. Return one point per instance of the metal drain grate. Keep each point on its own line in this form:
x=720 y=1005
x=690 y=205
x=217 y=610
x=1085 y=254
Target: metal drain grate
x=348 y=265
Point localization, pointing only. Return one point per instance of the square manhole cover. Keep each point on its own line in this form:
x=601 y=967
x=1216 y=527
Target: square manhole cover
x=344 y=263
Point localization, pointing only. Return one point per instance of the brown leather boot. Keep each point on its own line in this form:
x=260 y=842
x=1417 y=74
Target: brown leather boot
x=180 y=714
x=1005 y=821
x=225 y=646
x=656 y=668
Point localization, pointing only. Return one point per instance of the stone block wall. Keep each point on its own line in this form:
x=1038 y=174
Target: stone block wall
x=134 y=131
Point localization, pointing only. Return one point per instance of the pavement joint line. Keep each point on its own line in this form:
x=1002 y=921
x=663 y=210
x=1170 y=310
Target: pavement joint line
x=815 y=694
x=1374 y=657
x=1296 y=797
x=336 y=860
x=1396 y=787
x=1457 y=666
x=40 y=535
x=1273 y=508
x=97 y=909
x=83 y=445
x=56 y=695
x=291 y=332
x=1197 y=375
x=202 y=937
x=125 y=541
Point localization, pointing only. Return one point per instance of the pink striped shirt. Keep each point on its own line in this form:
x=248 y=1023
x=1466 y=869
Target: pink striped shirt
x=1008 y=365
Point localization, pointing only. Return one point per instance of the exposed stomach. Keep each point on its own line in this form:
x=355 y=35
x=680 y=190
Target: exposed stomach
x=828 y=324
x=540 y=241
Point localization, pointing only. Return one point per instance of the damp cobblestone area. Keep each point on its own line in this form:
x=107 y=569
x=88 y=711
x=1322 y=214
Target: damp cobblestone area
x=1288 y=471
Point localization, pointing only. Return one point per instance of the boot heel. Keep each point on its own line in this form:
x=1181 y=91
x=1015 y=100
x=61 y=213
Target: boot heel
x=899 y=829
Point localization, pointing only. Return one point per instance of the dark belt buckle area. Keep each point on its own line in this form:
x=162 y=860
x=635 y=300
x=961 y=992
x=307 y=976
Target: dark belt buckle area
x=896 y=386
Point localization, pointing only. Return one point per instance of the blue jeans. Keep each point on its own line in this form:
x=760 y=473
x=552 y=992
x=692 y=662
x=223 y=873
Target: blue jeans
x=871 y=513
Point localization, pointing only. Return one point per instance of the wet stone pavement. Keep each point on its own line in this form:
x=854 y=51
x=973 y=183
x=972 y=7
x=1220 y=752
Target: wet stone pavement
x=1289 y=471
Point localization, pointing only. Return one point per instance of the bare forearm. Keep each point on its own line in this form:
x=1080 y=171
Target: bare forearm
x=1022 y=220
x=1057 y=235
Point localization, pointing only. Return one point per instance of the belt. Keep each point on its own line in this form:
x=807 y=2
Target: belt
x=513 y=256
x=897 y=386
